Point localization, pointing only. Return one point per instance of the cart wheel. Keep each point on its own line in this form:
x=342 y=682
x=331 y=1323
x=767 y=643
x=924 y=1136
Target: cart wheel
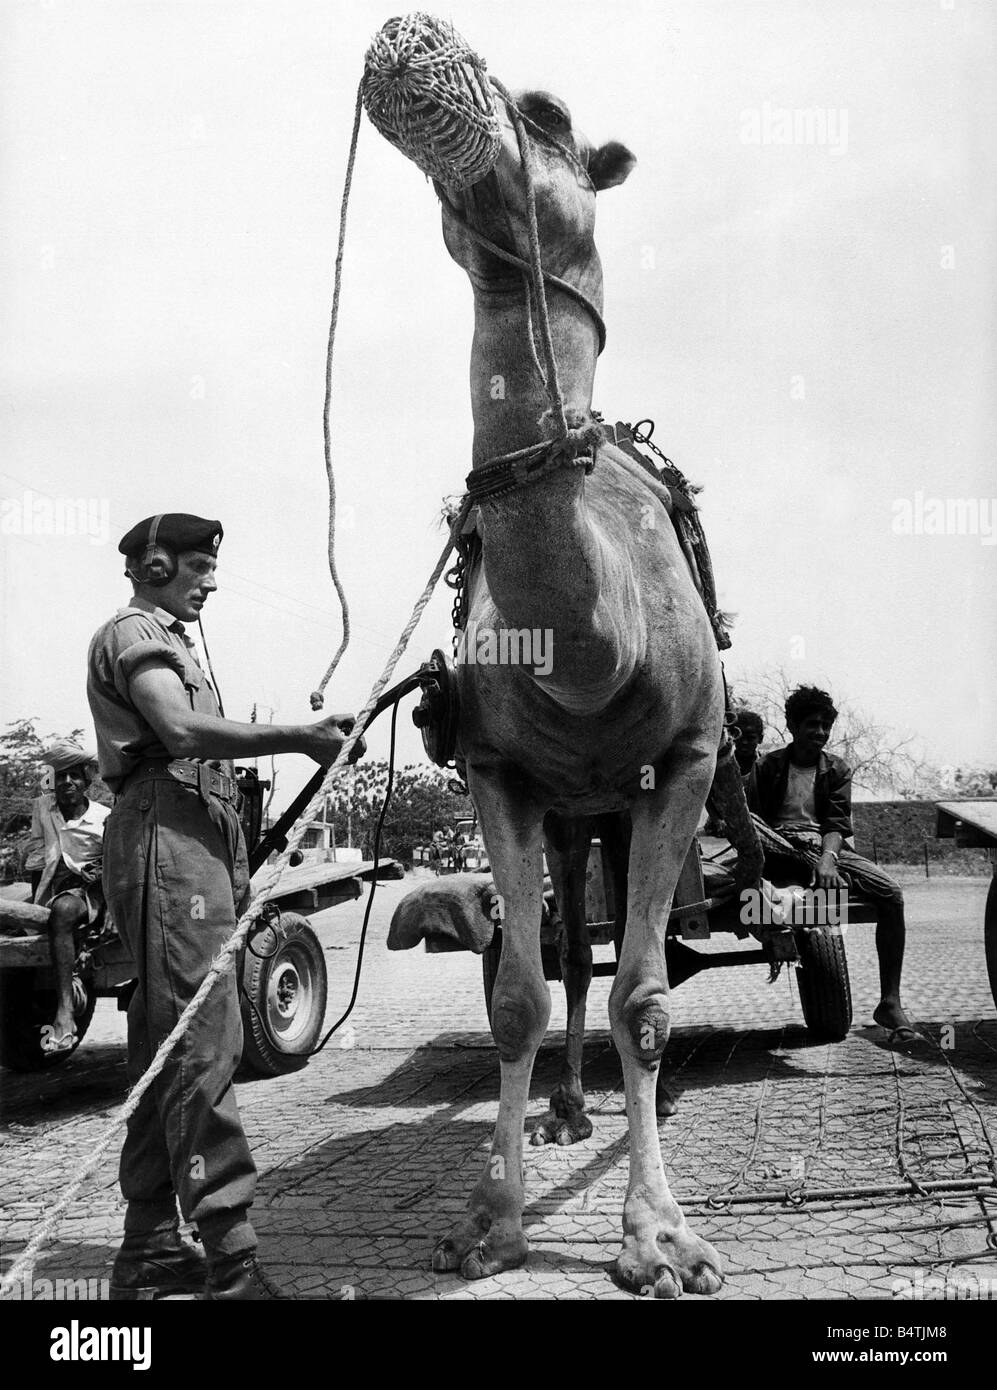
x=822 y=977
x=25 y=1007
x=284 y=988
x=990 y=936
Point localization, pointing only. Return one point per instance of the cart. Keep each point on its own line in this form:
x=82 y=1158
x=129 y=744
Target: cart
x=283 y=979
x=973 y=825
x=464 y=915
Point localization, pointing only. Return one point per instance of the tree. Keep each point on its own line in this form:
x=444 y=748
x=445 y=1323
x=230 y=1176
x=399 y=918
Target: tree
x=422 y=801
x=881 y=758
x=957 y=782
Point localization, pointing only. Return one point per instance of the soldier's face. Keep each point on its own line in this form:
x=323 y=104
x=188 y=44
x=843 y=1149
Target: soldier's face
x=187 y=592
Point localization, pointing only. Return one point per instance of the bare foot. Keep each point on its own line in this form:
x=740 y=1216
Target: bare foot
x=890 y=1014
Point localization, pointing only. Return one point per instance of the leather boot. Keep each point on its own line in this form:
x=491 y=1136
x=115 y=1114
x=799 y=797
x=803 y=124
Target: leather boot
x=153 y=1263
x=240 y=1278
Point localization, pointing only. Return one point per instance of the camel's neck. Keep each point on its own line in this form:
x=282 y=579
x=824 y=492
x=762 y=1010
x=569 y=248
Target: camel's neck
x=545 y=562
x=507 y=396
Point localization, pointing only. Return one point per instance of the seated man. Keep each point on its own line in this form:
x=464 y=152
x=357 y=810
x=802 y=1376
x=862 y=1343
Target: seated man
x=67 y=835
x=805 y=794
x=750 y=732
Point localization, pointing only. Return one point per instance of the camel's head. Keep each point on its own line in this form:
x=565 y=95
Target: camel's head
x=567 y=173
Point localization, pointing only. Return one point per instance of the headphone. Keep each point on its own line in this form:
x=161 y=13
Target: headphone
x=157 y=565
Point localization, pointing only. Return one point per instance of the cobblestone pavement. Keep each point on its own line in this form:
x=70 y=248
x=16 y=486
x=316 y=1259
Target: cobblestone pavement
x=366 y=1157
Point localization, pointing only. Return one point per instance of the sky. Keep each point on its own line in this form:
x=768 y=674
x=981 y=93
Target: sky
x=806 y=310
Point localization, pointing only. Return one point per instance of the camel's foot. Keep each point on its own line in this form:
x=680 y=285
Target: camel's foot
x=665 y=1103
x=562 y=1127
x=479 y=1248
x=667 y=1262
x=566 y=1121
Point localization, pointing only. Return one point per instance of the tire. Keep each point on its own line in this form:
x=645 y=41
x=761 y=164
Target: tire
x=283 y=997
x=822 y=977
x=26 y=1005
x=990 y=935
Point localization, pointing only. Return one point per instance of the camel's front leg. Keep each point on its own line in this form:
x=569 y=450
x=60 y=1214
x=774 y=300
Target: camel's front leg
x=660 y=1254
x=490 y=1237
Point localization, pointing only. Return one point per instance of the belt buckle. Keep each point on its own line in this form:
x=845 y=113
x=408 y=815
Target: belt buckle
x=203 y=781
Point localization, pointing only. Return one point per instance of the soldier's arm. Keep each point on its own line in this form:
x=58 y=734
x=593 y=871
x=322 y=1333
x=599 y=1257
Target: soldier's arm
x=159 y=694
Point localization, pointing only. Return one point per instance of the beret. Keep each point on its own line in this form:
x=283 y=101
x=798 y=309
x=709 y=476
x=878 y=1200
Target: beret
x=177 y=531
x=64 y=754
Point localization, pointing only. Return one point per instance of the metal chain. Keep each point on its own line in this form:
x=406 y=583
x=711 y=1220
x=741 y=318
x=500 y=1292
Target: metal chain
x=644 y=437
x=454 y=579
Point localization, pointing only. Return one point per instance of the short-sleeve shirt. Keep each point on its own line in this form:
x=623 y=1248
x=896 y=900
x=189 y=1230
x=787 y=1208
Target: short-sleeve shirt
x=134 y=637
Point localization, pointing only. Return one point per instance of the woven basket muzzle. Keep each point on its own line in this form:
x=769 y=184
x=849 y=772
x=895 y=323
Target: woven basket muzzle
x=427 y=93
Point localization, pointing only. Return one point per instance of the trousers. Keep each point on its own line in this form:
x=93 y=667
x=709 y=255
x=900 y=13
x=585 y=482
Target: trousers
x=859 y=873
x=176 y=878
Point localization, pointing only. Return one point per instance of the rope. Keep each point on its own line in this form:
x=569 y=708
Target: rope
x=224 y=961
x=552 y=384
x=318 y=695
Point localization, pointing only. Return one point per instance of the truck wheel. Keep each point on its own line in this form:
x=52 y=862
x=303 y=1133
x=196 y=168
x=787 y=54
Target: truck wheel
x=26 y=1006
x=284 y=990
x=990 y=935
x=825 y=992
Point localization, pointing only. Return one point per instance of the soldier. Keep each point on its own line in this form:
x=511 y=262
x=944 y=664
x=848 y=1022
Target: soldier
x=176 y=880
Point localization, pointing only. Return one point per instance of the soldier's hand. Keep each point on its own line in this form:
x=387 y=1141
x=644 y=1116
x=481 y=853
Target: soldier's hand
x=328 y=737
x=346 y=723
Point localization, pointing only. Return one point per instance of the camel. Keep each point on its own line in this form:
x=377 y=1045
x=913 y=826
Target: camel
x=627 y=717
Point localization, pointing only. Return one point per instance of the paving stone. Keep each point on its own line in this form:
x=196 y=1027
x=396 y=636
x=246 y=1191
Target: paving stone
x=367 y=1156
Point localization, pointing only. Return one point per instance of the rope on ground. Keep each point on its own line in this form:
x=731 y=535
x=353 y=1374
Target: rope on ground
x=318 y=695
x=224 y=961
